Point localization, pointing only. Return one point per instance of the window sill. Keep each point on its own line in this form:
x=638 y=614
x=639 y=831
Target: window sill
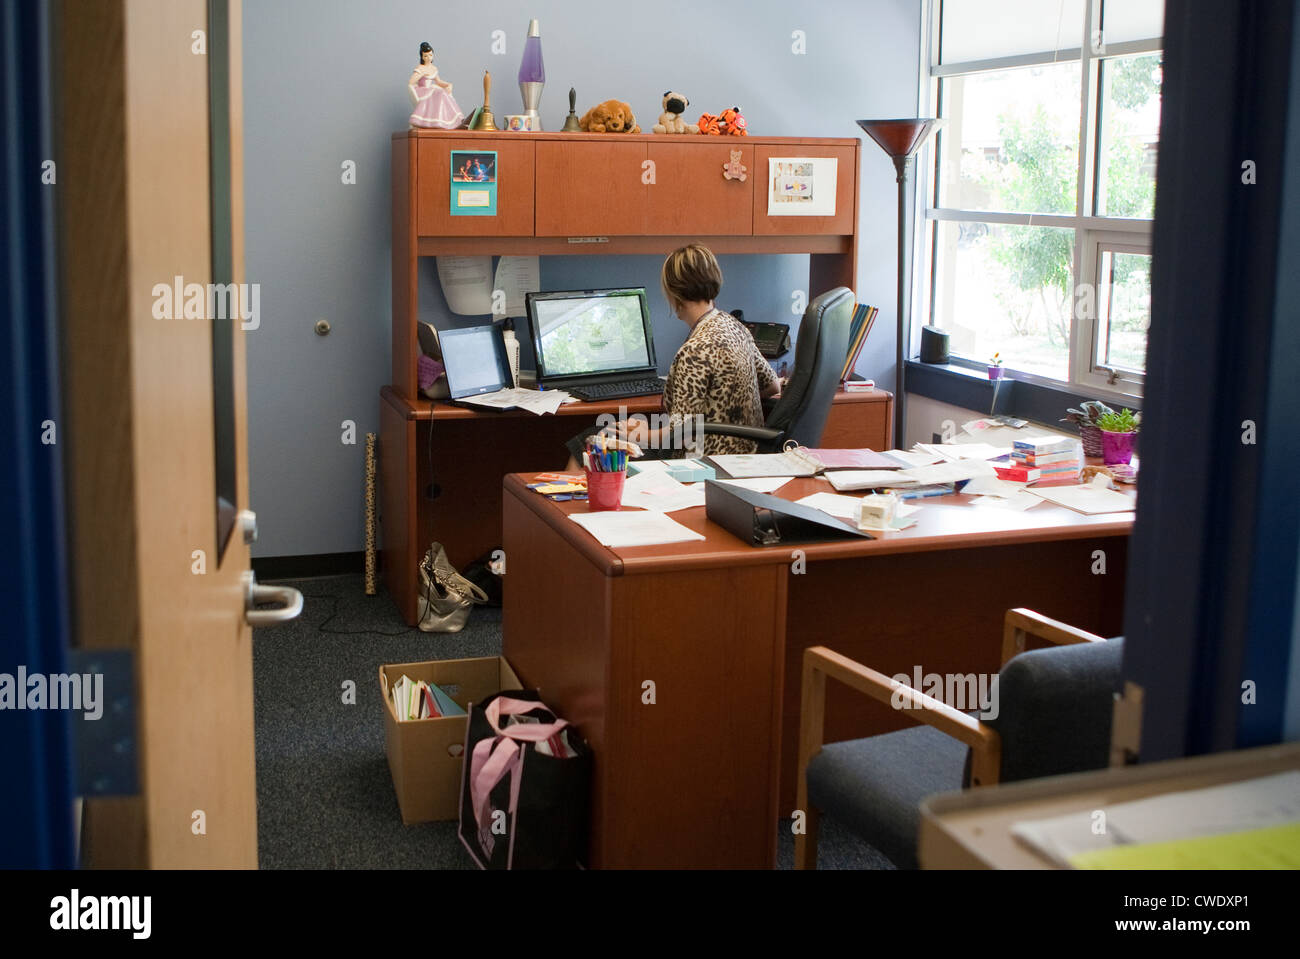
x=973 y=390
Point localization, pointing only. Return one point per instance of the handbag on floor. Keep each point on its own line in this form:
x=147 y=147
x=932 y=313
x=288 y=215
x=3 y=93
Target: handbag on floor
x=445 y=596
x=524 y=786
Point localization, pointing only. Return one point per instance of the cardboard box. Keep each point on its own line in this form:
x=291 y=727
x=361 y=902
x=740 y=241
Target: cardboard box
x=425 y=755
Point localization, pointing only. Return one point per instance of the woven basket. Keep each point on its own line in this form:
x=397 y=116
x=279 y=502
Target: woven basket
x=1091 y=436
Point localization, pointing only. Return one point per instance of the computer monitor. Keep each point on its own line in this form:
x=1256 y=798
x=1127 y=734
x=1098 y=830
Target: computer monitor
x=587 y=336
x=475 y=358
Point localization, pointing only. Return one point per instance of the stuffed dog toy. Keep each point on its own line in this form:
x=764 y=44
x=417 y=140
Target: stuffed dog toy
x=612 y=116
x=670 y=121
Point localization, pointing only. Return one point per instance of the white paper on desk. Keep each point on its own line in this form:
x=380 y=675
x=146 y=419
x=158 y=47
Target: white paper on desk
x=953 y=472
x=914 y=457
x=534 y=401
x=1017 y=501
x=618 y=529
x=1087 y=499
x=844 y=480
x=658 y=491
x=751 y=465
x=761 y=484
x=466 y=284
x=1259 y=803
x=992 y=486
x=841 y=507
x=964 y=451
x=516 y=275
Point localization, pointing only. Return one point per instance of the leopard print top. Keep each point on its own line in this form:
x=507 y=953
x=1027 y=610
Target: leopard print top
x=720 y=374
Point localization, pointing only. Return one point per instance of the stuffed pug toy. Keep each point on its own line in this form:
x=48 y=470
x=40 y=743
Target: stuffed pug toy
x=670 y=121
x=612 y=116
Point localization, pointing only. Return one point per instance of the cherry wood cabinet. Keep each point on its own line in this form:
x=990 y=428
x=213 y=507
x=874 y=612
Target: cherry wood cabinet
x=514 y=216
x=572 y=194
x=691 y=195
x=599 y=189
x=846 y=194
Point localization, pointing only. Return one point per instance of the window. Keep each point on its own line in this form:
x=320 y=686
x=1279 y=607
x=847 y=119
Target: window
x=1038 y=226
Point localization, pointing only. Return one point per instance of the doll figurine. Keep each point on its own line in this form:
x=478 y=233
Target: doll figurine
x=435 y=109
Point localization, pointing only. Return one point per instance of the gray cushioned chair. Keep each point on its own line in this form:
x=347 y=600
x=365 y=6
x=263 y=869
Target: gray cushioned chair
x=1053 y=717
x=819 y=354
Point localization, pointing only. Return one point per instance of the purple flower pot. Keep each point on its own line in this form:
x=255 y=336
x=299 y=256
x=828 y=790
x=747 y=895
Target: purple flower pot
x=995 y=372
x=1117 y=448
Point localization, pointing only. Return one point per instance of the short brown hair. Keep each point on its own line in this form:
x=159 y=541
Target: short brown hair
x=691 y=274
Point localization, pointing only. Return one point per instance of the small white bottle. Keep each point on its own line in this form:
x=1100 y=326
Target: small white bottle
x=512 y=349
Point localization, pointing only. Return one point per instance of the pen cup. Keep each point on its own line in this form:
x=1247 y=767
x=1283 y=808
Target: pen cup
x=605 y=490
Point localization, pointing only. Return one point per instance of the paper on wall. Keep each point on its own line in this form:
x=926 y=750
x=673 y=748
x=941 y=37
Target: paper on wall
x=801 y=186
x=516 y=275
x=466 y=284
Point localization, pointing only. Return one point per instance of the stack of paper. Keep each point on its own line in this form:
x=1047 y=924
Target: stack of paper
x=1237 y=809
x=845 y=508
x=964 y=451
x=658 y=491
x=539 y=402
x=761 y=484
x=618 y=529
x=1087 y=499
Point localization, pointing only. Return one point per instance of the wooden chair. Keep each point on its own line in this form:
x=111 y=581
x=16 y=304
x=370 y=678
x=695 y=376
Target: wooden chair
x=1053 y=717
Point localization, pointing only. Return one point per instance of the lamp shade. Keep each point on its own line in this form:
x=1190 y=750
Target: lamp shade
x=900 y=138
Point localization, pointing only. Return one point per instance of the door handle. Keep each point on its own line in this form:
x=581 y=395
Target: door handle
x=255 y=593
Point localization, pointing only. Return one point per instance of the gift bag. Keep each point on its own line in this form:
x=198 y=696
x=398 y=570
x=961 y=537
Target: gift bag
x=524 y=786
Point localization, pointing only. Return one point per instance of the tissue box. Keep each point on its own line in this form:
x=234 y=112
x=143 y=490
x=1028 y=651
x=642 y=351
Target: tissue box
x=876 y=511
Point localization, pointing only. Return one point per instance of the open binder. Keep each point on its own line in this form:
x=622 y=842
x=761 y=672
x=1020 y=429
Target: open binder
x=762 y=519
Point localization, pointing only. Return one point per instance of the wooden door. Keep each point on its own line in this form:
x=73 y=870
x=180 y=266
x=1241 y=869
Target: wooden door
x=150 y=190
x=692 y=197
x=591 y=188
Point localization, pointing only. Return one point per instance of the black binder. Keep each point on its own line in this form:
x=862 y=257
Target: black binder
x=761 y=519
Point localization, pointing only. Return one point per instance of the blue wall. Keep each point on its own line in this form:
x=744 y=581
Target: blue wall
x=324 y=82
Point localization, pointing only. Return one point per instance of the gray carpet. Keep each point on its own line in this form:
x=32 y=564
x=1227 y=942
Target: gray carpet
x=325 y=797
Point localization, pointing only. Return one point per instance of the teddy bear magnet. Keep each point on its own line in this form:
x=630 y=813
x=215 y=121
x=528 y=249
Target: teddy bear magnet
x=735 y=170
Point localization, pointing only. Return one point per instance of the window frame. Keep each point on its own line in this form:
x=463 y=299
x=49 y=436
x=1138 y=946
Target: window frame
x=1090 y=230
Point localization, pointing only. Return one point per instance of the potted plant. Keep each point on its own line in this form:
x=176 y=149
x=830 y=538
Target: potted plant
x=1086 y=419
x=1118 y=431
x=995 y=367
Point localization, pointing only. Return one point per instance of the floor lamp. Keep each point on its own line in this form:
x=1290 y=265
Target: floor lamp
x=901 y=139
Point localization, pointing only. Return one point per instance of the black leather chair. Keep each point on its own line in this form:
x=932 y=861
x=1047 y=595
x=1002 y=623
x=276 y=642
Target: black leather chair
x=1053 y=717
x=819 y=353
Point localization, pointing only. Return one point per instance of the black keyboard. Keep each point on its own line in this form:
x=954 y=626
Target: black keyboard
x=618 y=390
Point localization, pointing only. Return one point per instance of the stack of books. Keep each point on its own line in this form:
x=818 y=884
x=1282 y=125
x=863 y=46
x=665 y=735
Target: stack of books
x=421 y=700
x=1041 y=458
x=864 y=317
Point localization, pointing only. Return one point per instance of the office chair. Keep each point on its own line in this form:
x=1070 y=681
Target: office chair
x=1054 y=717
x=800 y=412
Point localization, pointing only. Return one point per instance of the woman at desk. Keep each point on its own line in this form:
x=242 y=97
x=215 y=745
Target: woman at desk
x=718 y=375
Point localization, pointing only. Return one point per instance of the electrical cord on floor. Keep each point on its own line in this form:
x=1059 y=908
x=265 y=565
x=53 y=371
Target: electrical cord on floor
x=334 y=611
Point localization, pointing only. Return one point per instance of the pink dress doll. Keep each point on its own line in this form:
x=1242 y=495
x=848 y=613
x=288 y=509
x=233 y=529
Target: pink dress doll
x=434 y=106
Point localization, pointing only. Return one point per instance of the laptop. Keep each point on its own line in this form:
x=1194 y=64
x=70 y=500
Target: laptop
x=475 y=358
x=594 y=344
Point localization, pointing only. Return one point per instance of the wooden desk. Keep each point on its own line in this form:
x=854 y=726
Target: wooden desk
x=472 y=450
x=701 y=776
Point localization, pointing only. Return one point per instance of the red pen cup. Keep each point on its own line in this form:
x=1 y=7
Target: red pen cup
x=605 y=490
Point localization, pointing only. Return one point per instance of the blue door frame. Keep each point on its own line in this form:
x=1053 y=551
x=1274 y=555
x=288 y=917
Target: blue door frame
x=36 y=828
x=1211 y=597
